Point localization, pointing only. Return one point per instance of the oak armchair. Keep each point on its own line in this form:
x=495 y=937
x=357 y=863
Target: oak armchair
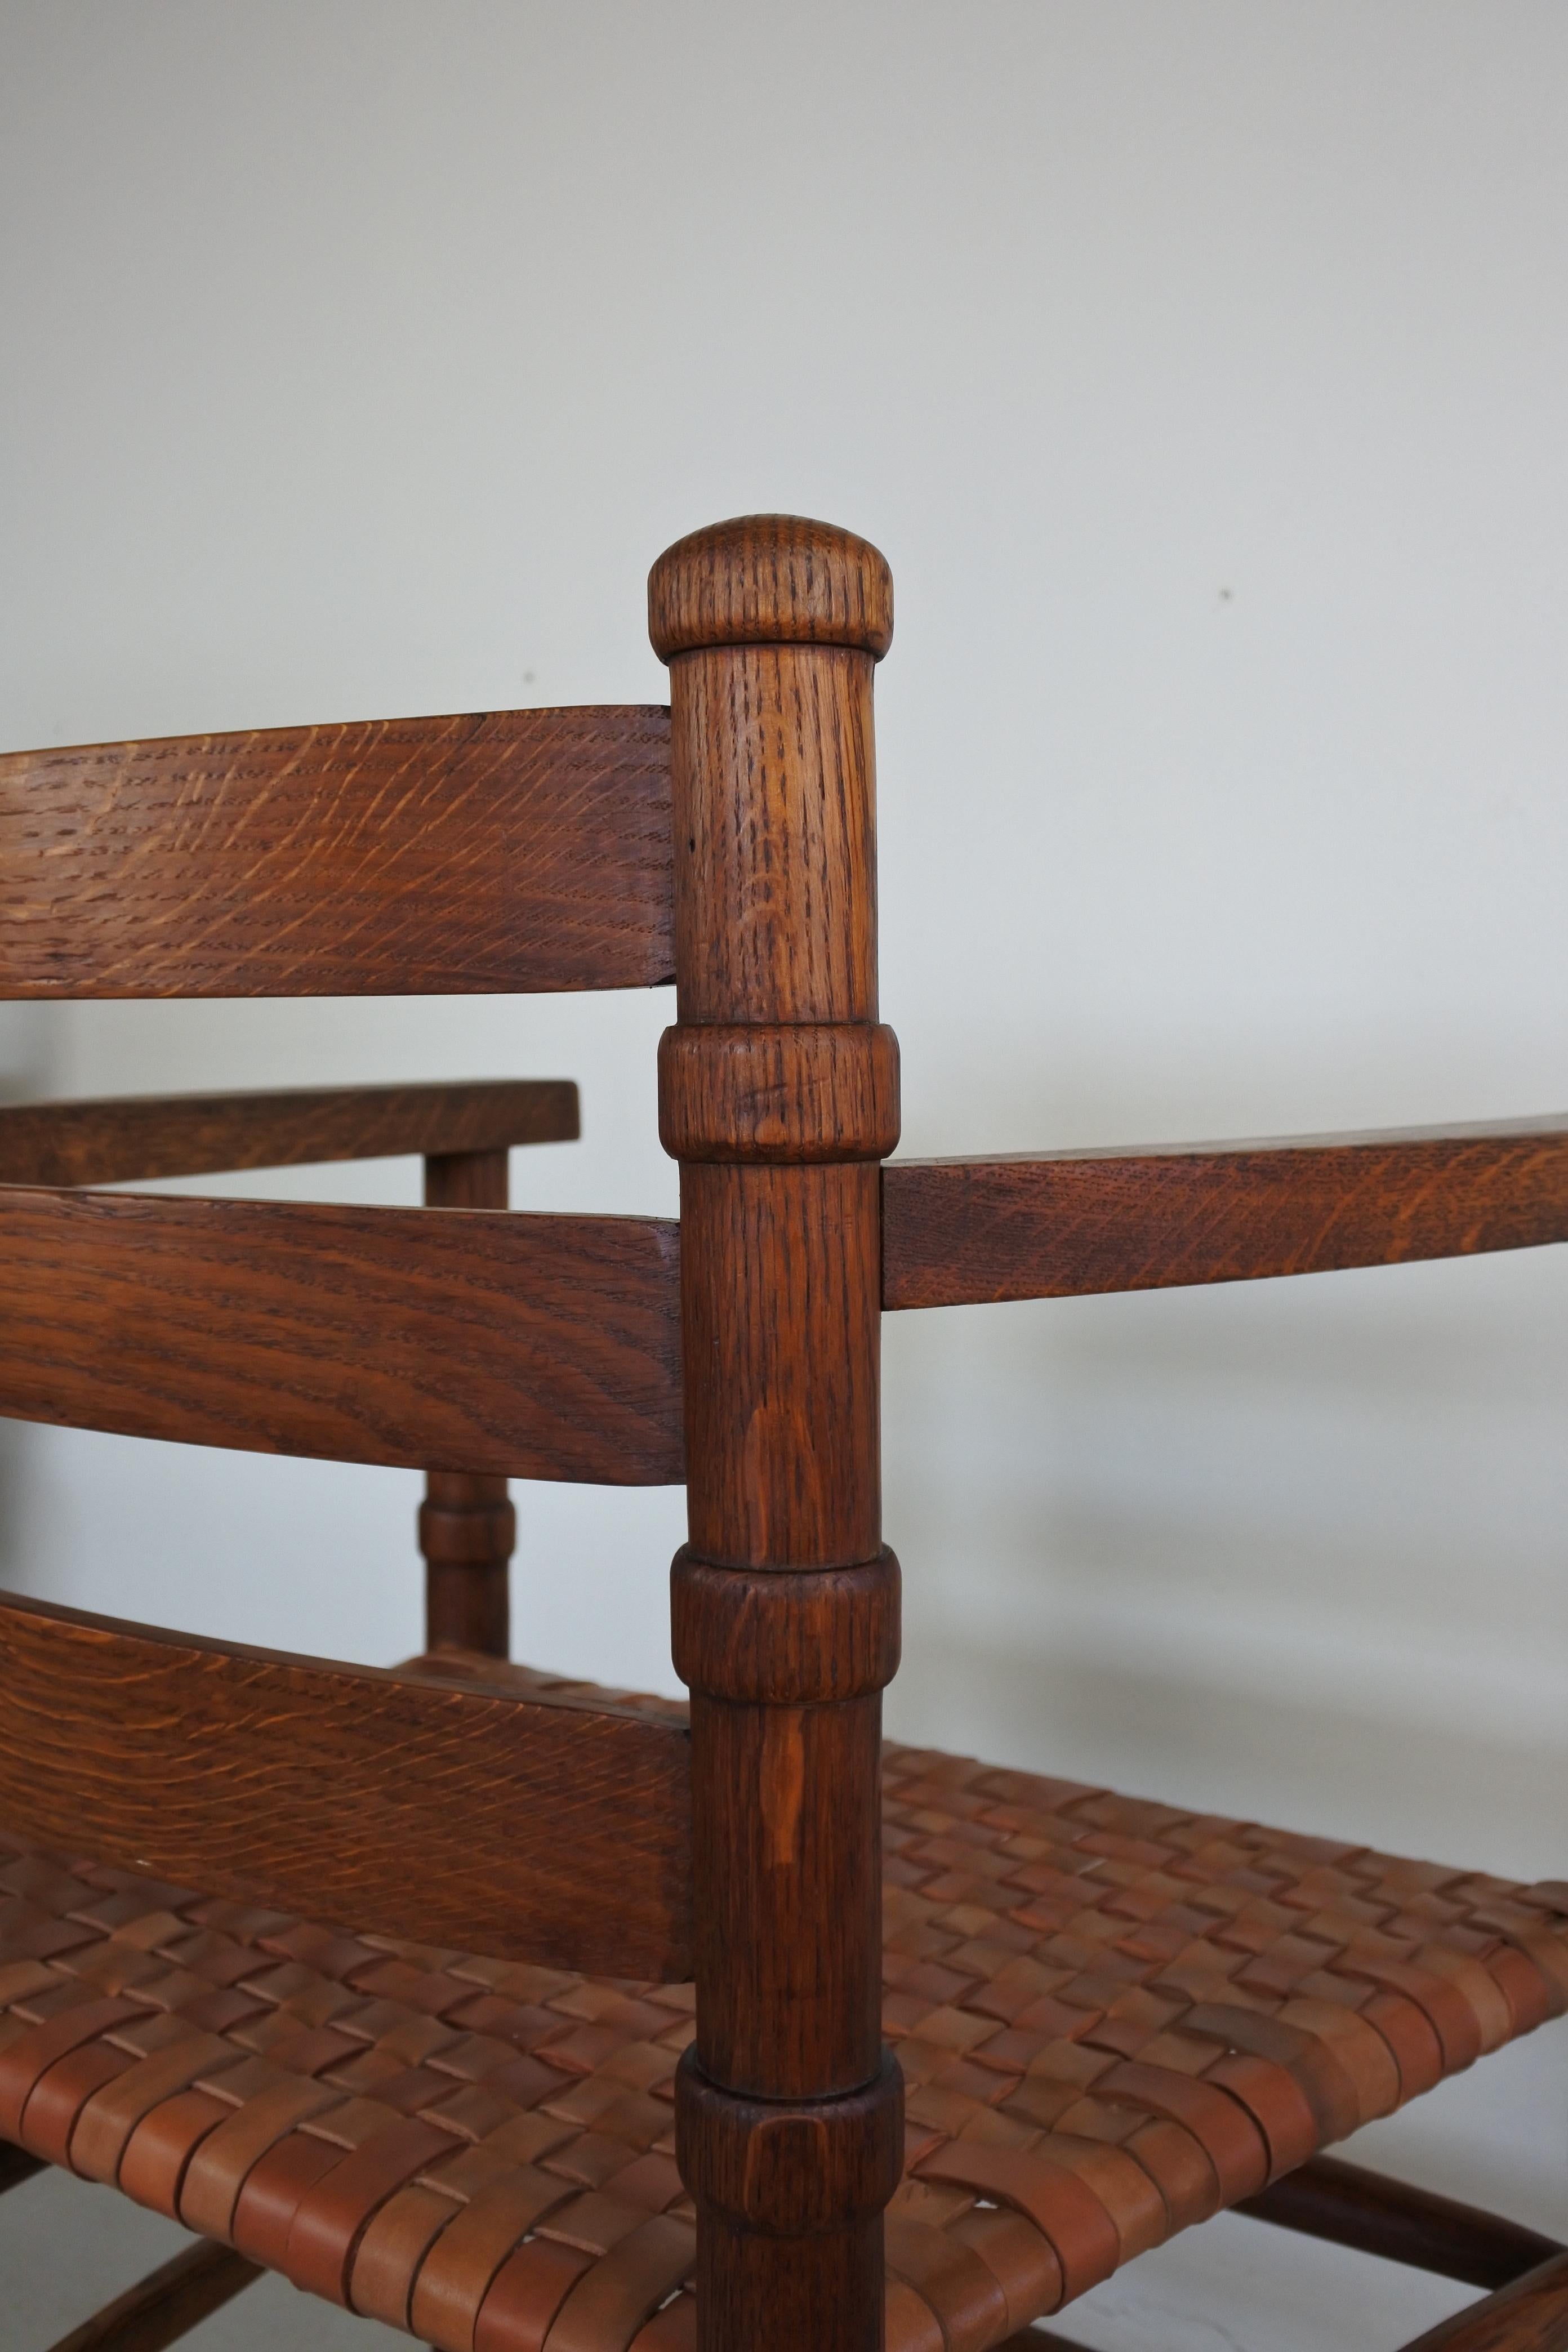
x=531 y=2018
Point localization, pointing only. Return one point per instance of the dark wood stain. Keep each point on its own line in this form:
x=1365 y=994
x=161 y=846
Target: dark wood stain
x=135 y=1139
x=444 y=1812
x=778 y=1092
x=343 y=860
x=960 y=1233
x=537 y=1347
x=1348 y=2206
x=166 y=2305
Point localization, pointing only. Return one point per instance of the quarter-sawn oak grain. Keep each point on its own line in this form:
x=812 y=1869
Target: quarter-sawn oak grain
x=771 y=626
x=134 y=1138
x=342 y=861
x=962 y=1233
x=535 y=1346
x=443 y=1812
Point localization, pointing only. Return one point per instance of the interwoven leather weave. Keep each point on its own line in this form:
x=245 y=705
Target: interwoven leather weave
x=1113 y=2017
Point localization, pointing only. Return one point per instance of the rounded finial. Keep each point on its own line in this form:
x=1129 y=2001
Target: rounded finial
x=769 y=580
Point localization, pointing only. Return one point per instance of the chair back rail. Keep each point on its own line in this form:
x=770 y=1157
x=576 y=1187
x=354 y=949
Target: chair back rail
x=440 y=1812
x=959 y=1233
x=503 y=851
x=534 y=1346
x=137 y=1137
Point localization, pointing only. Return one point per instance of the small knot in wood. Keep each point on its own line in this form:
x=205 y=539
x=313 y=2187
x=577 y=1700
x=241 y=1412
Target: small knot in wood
x=769 y=580
x=784 y=1095
x=785 y=1637
x=793 y=2169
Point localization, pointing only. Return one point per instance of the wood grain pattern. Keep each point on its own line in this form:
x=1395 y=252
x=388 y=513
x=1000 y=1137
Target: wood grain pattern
x=538 y=1347
x=506 y=850
x=1348 y=2206
x=787 y=1095
x=771 y=626
x=444 y=1812
x=769 y=580
x=166 y=2305
x=133 y=1138
x=1532 y=2315
x=963 y=1232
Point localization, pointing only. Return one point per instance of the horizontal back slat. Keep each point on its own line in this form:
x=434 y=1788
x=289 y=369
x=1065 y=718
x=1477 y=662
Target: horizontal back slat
x=511 y=850
x=135 y=1138
x=962 y=1231
x=448 y=1814
x=537 y=1347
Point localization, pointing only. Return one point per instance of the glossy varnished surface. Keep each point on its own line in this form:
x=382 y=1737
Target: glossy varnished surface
x=538 y=1347
x=962 y=1231
x=343 y=860
x=435 y=1809
x=133 y=1139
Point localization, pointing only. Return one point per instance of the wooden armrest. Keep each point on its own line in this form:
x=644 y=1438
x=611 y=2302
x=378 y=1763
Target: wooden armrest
x=135 y=1137
x=960 y=1233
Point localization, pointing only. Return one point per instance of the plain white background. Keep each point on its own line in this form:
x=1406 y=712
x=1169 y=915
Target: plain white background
x=1201 y=369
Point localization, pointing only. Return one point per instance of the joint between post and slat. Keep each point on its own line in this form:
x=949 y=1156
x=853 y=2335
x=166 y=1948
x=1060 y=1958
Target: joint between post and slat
x=800 y=2169
x=782 y=1637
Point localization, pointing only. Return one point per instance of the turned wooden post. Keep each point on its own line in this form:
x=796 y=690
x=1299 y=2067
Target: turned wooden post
x=778 y=1095
x=467 y=1525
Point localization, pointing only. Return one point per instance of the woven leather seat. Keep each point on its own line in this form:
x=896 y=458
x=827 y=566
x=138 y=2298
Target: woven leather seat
x=1113 y=2018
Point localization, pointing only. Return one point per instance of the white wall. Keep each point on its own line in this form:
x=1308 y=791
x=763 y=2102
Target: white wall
x=1201 y=369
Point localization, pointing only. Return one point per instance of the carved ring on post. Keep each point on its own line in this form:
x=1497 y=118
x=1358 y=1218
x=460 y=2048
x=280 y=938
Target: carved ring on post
x=785 y=1637
x=467 y=1536
x=821 y=1091
x=786 y=2171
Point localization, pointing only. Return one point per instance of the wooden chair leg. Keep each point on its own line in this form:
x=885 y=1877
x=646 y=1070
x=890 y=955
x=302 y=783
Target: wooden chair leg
x=1530 y=2316
x=777 y=1095
x=166 y=2305
x=1351 y=2207
x=467 y=1525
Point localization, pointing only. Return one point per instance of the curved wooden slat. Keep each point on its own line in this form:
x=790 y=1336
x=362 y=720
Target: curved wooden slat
x=133 y=1139
x=960 y=1233
x=444 y=1813
x=508 y=850
x=537 y=1347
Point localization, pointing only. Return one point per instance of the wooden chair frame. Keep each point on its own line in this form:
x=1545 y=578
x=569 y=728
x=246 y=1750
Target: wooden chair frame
x=734 y=847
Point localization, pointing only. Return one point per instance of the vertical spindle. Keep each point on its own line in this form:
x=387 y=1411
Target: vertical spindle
x=467 y=1525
